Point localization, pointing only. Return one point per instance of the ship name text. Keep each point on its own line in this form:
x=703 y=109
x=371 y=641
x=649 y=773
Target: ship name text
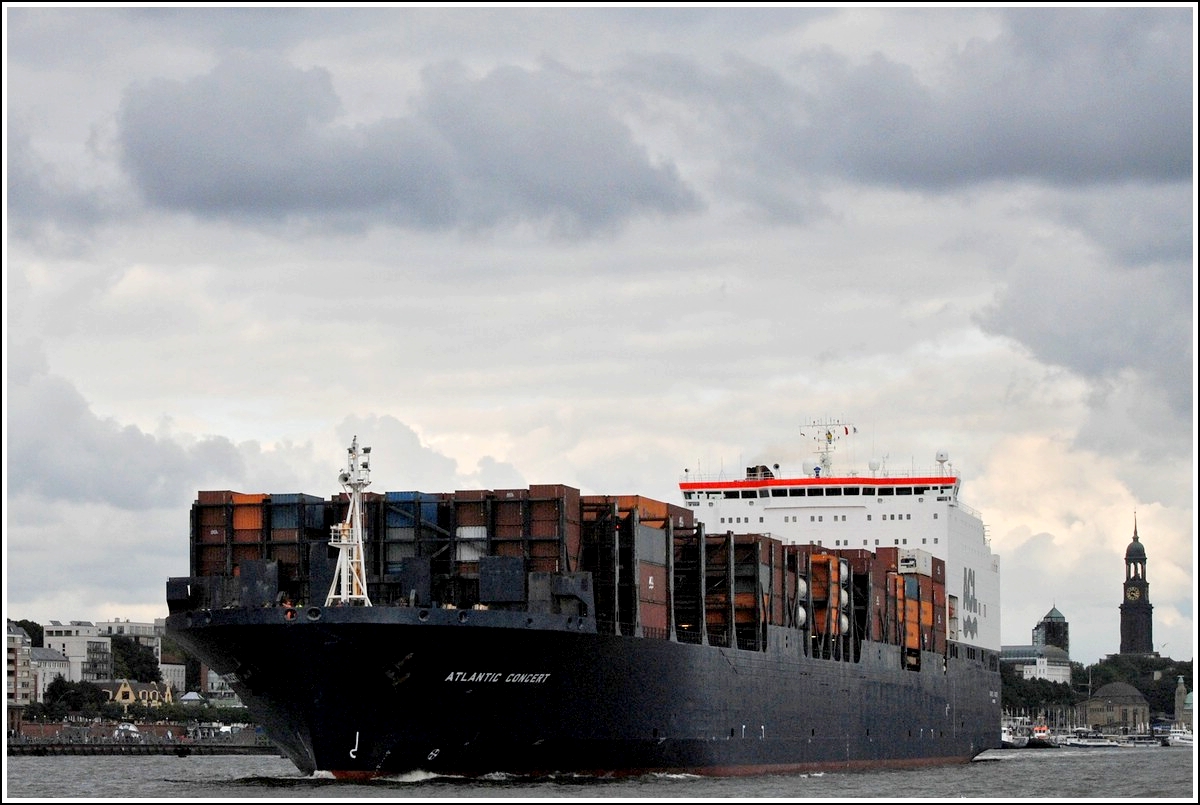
x=487 y=676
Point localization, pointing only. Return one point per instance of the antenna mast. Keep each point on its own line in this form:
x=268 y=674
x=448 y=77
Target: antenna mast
x=349 y=581
x=825 y=433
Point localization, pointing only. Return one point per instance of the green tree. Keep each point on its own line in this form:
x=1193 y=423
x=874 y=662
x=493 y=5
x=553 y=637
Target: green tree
x=83 y=698
x=1032 y=695
x=132 y=660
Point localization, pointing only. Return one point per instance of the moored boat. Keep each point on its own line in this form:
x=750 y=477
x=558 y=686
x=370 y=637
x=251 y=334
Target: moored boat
x=1179 y=736
x=1014 y=733
x=1040 y=737
x=1089 y=739
x=771 y=624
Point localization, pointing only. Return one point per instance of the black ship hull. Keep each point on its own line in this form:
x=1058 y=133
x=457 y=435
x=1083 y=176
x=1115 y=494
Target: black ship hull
x=376 y=691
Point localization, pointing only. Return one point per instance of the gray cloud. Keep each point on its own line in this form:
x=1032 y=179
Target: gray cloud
x=258 y=138
x=1102 y=322
x=60 y=451
x=42 y=198
x=1120 y=300
x=1040 y=102
x=64 y=452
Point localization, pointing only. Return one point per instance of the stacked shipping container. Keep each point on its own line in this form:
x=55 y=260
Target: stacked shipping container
x=653 y=571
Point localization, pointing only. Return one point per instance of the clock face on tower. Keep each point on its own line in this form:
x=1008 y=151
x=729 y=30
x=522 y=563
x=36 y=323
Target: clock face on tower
x=1133 y=593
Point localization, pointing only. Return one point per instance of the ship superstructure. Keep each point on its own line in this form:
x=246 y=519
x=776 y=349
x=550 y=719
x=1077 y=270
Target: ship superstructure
x=824 y=504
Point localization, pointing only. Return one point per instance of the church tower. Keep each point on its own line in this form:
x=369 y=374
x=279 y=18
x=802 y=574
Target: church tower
x=1137 y=615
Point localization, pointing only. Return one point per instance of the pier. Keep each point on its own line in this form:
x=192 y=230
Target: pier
x=47 y=749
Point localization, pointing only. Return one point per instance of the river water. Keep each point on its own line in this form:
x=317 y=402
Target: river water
x=1167 y=773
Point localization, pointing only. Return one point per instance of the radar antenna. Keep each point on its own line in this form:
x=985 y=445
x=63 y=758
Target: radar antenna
x=349 y=581
x=826 y=433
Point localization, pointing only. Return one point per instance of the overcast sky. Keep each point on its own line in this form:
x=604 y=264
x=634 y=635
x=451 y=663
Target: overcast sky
x=595 y=246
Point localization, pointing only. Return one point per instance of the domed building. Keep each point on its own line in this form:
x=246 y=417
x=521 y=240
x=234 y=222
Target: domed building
x=1118 y=708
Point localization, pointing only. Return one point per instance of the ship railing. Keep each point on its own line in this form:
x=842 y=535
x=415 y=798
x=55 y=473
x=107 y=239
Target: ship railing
x=607 y=626
x=783 y=475
x=967 y=509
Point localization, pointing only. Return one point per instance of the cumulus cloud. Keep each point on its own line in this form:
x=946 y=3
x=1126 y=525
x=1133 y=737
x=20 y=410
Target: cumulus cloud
x=259 y=138
x=63 y=452
x=1038 y=102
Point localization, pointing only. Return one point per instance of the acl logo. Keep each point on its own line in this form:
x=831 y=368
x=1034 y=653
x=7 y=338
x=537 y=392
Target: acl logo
x=970 y=603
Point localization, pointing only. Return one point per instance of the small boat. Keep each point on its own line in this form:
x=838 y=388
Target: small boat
x=1179 y=736
x=1041 y=738
x=1139 y=741
x=1089 y=739
x=1014 y=733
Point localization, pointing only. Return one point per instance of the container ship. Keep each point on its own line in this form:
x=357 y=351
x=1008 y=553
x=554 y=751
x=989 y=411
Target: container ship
x=773 y=623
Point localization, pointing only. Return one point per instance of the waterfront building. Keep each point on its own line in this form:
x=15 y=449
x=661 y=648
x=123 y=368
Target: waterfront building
x=48 y=664
x=1038 y=662
x=1047 y=658
x=125 y=692
x=174 y=674
x=146 y=634
x=88 y=652
x=1118 y=707
x=18 y=677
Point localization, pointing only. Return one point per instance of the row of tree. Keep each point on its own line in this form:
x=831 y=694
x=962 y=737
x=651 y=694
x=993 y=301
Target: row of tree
x=1154 y=677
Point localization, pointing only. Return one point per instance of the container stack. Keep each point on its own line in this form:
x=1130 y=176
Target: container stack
x=650 y=567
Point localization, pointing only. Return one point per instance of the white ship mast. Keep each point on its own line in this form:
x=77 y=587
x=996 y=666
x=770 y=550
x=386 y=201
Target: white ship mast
x=349 y=582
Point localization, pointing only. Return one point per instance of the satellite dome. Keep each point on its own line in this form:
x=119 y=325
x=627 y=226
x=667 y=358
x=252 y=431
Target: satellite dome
x=942 y=456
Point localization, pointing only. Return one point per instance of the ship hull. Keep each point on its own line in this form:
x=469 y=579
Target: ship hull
x=364 y=692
